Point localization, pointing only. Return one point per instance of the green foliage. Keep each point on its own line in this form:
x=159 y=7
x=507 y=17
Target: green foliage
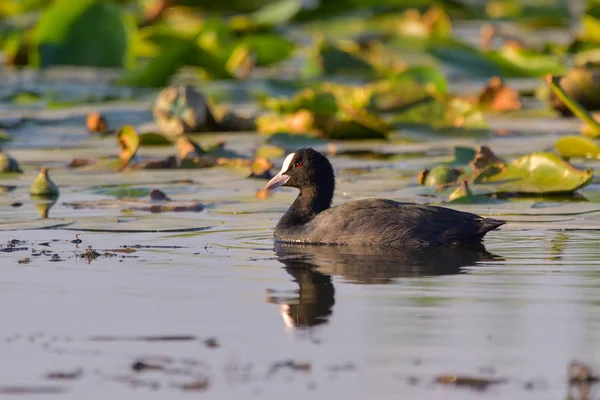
x=86 y=32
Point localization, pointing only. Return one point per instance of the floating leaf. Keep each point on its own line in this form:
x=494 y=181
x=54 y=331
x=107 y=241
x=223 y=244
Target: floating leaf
x=192 y=155
x=577 y=146
x=129 y=141
x=270 y=151
x=462 y=156
x=498 y=97
x=96 y=123
x=261 y=168
x=182 y=109
x=153 y=139
x=86 y=32
x=535 y=173
x=8 y=164
x=461 y=192
x=441 y=175
x=43 y=186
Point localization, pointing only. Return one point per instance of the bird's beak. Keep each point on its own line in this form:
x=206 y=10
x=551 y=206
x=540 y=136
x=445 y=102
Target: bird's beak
x=278 y=180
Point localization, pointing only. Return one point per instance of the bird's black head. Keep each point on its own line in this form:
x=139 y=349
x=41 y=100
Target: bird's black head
x=305 y=169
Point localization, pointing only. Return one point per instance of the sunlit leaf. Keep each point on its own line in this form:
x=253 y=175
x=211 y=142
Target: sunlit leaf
x=154 y=139
x=129 y=141
x=577 y=147
x=535 y=173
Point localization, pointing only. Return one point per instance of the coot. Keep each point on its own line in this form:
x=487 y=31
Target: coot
x=370 y=222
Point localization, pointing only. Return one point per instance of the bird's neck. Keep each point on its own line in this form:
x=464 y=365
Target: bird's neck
x=307 y=205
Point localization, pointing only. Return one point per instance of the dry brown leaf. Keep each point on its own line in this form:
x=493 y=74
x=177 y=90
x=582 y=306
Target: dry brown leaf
x=498 y=97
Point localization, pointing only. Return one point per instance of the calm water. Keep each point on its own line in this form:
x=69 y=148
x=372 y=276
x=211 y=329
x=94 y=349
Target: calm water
x=364 y=324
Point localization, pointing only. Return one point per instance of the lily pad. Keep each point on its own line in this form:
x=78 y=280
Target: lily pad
x=535 y=173
x=154 y=139
x=86 y=32
x=577 y=147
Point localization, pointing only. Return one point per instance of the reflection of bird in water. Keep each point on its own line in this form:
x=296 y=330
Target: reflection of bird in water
x=313 y=266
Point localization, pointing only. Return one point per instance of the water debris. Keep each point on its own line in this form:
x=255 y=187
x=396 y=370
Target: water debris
x=25 y=260
x=467 y=381
x=172 y=338
x=196 y=385
x=96 y=123
x=211 y=343
x=143 y=366
x=581 y=373
x=126 y=250
x=90 y=254
x=498 y=97
x=29 y=390
x=16 y=204
x=55 y=258
x=289 y=364
x=65 y=375
x=157 y=195
x=81 y=162
x=43 y=186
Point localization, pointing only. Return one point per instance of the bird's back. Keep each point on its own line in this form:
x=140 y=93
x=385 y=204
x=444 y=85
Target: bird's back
x=389 y=223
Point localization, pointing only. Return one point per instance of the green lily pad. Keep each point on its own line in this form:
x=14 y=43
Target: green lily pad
x=462 y=156
x=577 y=147
x=535 y=173
x=440 y=175
x=154 y=139
x=85 y=32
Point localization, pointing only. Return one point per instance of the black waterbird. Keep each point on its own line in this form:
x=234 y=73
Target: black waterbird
x=370 y=222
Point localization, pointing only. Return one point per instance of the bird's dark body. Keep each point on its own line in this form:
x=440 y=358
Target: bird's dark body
x=371 y=222
x=387 y=223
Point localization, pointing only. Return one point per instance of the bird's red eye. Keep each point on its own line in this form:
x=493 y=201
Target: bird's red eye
x=299 y=164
